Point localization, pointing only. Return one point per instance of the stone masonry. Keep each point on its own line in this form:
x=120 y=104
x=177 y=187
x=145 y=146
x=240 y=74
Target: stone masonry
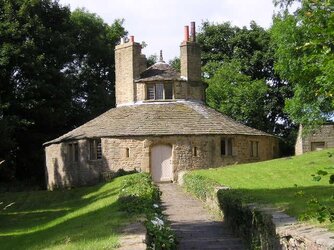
x=319 y=139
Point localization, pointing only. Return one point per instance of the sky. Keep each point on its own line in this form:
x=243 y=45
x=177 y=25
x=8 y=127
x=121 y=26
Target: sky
x=160 y=23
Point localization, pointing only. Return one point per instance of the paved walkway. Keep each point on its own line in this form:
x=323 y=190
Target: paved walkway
x=194 y=226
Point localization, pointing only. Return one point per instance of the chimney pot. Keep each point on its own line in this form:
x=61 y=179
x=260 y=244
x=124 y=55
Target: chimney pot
x=193 y=32
x=132 y=39
x=186 y=33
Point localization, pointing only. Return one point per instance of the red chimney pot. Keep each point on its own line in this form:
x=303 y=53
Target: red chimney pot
x=186 y=33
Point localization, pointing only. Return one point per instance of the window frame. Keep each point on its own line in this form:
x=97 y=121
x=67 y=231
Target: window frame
x=158 y=86
x=73 y=152
x=95 y=149
x=254 y=145
x=226 y=146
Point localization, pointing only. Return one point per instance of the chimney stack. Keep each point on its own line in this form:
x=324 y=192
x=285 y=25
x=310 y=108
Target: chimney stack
x=128 y=65
x=190 y=55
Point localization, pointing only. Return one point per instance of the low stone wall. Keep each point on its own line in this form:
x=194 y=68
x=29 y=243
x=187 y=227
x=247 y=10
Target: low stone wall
x=261 y=227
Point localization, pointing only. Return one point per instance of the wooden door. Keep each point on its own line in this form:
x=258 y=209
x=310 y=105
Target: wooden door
x=161 y=163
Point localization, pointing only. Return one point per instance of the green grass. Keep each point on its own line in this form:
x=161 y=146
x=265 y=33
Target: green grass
x=284 y=183
x=82 y=218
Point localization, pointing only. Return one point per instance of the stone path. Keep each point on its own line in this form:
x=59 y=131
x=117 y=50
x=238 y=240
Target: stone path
x=194 y=226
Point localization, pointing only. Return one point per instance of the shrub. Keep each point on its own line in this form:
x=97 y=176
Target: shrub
x=140 y=195
x=200 y=186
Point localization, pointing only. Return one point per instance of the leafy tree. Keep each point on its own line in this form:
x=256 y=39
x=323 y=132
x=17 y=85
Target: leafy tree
x=237 y=60
x=305 y=58
x=175 y=63
x=152 y=59
x=92 y=66
x=56 y=71
x=237 y=95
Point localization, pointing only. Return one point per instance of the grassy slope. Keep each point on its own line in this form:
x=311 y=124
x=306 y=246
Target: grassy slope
x=286 y=183
x=82 y=218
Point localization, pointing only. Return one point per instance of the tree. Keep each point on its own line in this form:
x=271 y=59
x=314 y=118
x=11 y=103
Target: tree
x=175 y=63
x=305 y=58
x=92 y=66
x=237 y=95
x=242 y=59
x=56 y=72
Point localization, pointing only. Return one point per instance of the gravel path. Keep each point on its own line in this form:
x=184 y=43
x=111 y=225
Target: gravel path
x=194 y=226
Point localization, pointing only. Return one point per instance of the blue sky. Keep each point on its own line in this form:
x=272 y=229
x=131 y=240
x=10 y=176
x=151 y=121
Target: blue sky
x=160 y=23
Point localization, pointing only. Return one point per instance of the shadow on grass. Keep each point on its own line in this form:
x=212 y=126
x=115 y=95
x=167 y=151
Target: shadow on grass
x=75 y=217
x=295 y=200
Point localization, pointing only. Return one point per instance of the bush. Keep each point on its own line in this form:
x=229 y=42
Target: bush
x=200 y=186
x=140 y=195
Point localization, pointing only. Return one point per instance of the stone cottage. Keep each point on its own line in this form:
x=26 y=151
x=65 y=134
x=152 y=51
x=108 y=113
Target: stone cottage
x=321 y=138
x=160 y=125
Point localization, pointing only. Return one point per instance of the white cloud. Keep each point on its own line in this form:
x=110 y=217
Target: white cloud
x=160 y=23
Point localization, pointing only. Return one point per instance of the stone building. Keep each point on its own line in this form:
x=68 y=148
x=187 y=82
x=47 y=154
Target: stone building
x=160 y=125
x=320 y=139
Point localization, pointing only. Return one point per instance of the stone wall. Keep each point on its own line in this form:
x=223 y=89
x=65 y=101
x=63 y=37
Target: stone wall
x=61 y=172
x=323 y=135
x=134 y=153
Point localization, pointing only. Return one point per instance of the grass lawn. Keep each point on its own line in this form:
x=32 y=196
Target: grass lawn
x=82 y=218
x=285 y=183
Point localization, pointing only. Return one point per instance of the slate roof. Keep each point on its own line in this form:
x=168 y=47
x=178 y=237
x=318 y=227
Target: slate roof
x=155 y=119
x=159 y=71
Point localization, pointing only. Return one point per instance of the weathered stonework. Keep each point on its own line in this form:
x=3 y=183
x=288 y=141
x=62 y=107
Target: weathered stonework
x=62 y=173
x=321 y=138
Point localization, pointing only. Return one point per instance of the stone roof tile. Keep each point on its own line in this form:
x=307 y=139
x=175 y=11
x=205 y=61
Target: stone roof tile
x=159 y=71
x=155 y=119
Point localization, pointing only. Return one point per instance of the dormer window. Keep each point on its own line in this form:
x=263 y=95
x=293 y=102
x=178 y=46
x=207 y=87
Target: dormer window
x=159 y=91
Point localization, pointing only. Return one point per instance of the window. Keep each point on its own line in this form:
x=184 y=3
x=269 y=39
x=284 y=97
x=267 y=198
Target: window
x=127 y=152
x=226 y=146
x=195 y=151
x=95 y=149
x=317 y=146
x=159 y=91
x=73 y=152
x=254 y=149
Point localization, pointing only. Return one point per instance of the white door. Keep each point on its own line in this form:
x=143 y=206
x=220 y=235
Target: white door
x=161 y=163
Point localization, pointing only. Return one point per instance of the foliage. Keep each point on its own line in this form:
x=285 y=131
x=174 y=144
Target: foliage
x=81 y=218
x=56 y=72
x=140 y=195
x=321 y=211
x=175 y=63
x=200 y=186
x=284 y=183
x=236 y=95
x=238 y=65
x=152 y=59
x=305 y=58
